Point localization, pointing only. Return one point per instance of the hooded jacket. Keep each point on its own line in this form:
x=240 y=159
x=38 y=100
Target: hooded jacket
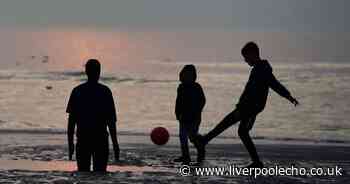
x=190 y=102
x=255 y=93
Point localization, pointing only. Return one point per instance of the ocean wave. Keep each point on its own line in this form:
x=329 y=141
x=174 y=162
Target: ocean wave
x=239 y=63
x=112 y=79
x=156 y=81
x=6 y=77
x=69 y=73
x=77 y=76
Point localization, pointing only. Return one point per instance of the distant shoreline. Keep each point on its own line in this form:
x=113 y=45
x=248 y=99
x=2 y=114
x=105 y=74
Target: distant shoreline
x=142 y=136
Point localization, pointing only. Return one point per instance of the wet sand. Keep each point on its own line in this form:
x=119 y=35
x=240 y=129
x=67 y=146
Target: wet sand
x=43 y=159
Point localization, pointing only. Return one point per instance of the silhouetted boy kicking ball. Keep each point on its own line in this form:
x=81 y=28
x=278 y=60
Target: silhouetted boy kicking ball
x=188 y=110
x=251 y=103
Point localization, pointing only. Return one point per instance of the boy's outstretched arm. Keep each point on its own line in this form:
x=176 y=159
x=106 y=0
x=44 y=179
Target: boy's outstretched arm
x=281 y=90
x=70 y=133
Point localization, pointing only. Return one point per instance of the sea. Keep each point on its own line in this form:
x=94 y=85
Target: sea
x=38 y=72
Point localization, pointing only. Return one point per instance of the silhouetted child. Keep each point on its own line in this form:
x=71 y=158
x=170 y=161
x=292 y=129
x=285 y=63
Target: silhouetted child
x=251 y=103
x=189 y=105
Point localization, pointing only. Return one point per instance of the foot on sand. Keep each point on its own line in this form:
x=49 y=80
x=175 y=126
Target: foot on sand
x=256 y=164
x=183 y=160
x=199 y=143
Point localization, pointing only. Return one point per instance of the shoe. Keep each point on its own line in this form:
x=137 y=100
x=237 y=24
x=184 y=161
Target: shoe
x=200 y=146
x=182 y=159
x=186 y=162
x=257 y=164
x=195 y=164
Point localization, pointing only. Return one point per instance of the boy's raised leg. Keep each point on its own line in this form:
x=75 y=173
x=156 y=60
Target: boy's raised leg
x=228 y=121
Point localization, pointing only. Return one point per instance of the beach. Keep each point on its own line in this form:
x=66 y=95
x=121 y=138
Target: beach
x=42 y=158
x=36 y=85
x=138 y=49
x=33 y=122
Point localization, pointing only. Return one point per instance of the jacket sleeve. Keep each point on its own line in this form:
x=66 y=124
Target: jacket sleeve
x=202 y=99
x=278 y=87
x=178 y=104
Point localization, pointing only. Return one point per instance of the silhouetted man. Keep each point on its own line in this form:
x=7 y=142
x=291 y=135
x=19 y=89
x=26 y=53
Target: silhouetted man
x=91 y=108
x=250 y=104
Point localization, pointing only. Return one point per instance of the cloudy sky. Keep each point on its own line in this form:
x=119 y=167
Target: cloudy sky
x=184 y=29
x=256 y=15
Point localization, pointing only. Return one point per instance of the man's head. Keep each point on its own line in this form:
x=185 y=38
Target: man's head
x=188 y=74
x=251 y=53
x=93 y=70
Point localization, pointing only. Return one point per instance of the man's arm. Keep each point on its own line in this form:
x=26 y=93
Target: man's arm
x=70 y=133
x=281 y=90
x=71 y=106
x=113 y=132
x=112 y=126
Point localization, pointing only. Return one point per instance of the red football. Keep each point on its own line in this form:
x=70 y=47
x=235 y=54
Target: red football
x=159 y=135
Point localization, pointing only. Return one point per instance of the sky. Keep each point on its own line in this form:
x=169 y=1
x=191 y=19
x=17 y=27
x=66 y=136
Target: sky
x=183 y=29
x=251 y=15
